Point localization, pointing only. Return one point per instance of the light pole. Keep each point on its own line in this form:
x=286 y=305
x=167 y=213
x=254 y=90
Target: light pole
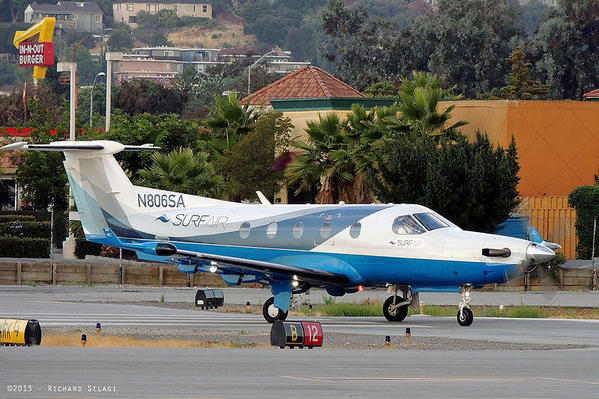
x=254 y=64
x=91 y=99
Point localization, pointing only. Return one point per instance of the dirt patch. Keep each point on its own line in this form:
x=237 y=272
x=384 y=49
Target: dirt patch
x=228 y=34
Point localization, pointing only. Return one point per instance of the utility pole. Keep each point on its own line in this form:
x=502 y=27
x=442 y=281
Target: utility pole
x=254 y=64
x=593 y=272
x=110 y=56
x=91 y=99
x=72 y=68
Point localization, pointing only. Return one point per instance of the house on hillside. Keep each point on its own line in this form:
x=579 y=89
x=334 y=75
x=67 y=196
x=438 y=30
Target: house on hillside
x=70 y=15
x=125 y=12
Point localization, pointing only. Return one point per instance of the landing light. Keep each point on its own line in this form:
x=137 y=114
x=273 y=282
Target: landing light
x=360 y=288
x=295 y=283
x=467 y=294
x=213 y=268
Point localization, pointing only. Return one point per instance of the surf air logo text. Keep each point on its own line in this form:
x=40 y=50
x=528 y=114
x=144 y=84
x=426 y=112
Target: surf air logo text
x=210 y=221
x=160 y=201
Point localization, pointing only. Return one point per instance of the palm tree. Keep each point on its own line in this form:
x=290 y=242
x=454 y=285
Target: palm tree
x=326 y=159
x=184 y=172
x=229 y=120
x=420 y=98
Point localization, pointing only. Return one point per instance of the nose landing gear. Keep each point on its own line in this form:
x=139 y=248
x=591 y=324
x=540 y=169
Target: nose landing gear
x=465 y=316
x=395 y=307
x=271 y=313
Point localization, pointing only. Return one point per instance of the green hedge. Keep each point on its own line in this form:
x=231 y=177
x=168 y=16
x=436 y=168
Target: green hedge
x=16 y=218
x=18 y=247
x=60 y=221
x=39 y=216
x=84 y=247
x=25 y=229
x=585 y=200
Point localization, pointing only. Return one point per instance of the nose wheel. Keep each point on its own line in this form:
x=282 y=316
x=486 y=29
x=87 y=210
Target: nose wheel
x=395 y=308
x=271 y=313
x=465 y=315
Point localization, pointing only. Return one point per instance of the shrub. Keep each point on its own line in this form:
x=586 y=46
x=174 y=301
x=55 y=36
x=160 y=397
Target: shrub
x=585 y=200
x=18 y=247
x=25 y=229
x=84 y=247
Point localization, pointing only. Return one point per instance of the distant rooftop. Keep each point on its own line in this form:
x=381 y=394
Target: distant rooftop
x=592 y=95
x=67 y=7
x=308 y=82
x=162 y=2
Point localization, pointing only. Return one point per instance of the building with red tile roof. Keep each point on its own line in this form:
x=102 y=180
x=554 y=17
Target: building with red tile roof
x=592 y=95
x=308 y=82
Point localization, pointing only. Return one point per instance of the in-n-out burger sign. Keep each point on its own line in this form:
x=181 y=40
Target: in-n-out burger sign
x=36 y=54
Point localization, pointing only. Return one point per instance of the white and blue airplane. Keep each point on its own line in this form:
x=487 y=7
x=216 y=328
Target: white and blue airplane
x=342 y=248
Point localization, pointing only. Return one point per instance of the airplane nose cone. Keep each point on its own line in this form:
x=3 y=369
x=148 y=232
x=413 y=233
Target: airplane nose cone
x=536 y=253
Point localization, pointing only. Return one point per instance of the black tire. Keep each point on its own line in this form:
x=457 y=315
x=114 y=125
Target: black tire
x=280 y=315
x=399 y=314
x=465 y=317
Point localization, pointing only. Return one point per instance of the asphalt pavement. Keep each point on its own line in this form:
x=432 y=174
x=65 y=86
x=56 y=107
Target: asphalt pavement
x=276 y=373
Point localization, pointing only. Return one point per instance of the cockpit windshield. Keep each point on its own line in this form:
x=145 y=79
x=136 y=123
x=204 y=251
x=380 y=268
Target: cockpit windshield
x=406 y=224
x=430 y=221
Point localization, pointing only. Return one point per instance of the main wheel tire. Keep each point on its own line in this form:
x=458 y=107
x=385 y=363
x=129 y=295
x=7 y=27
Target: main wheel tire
x=465 y=317
x=271 y=313
x=397 y=314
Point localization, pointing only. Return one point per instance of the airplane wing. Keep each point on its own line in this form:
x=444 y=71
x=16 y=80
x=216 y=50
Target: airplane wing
x=306 y=274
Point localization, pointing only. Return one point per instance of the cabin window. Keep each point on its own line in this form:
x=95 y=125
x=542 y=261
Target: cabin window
x=406 y=224
x=298 y=230
x=244 y=230
x=325 y=230
x=430 y=221
x=271 y=230
x=354 y=230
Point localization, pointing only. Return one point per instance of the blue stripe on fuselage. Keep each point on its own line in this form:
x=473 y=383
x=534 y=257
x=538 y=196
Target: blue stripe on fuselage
x=370 y=269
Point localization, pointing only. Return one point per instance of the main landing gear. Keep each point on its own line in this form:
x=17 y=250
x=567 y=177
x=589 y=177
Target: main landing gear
x=271 y=312
x=395 y=307
x=465 y=316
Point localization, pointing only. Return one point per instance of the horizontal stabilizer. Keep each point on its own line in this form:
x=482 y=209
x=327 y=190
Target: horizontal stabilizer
x=110 y=147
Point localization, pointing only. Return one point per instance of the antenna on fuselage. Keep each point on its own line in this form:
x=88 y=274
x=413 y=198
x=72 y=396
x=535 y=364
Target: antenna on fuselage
x=262 y=198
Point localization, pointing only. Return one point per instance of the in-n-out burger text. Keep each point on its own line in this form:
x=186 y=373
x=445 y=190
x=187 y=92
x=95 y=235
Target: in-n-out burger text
x=36 y=53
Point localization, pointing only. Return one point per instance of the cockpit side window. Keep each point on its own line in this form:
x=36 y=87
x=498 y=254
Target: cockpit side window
x=406 y=224
x=430 y=221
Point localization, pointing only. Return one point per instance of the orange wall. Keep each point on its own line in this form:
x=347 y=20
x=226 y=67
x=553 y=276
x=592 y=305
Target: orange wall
x=557 y=141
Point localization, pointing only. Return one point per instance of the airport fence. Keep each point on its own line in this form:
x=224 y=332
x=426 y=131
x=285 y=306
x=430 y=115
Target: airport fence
x=23 y=271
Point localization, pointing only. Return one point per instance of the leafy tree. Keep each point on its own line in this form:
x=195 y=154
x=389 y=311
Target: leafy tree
x=120 y=39
x=87 y=65
x=522 y=87
x=532 y=15
x=83 y=101
x=163 y=130
x=382 y=89
x=248 y=166
x=467 y=42
x=359 y=46
x=182 y=171
x=567 y=49
x=143 y=96
x=8 y=73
